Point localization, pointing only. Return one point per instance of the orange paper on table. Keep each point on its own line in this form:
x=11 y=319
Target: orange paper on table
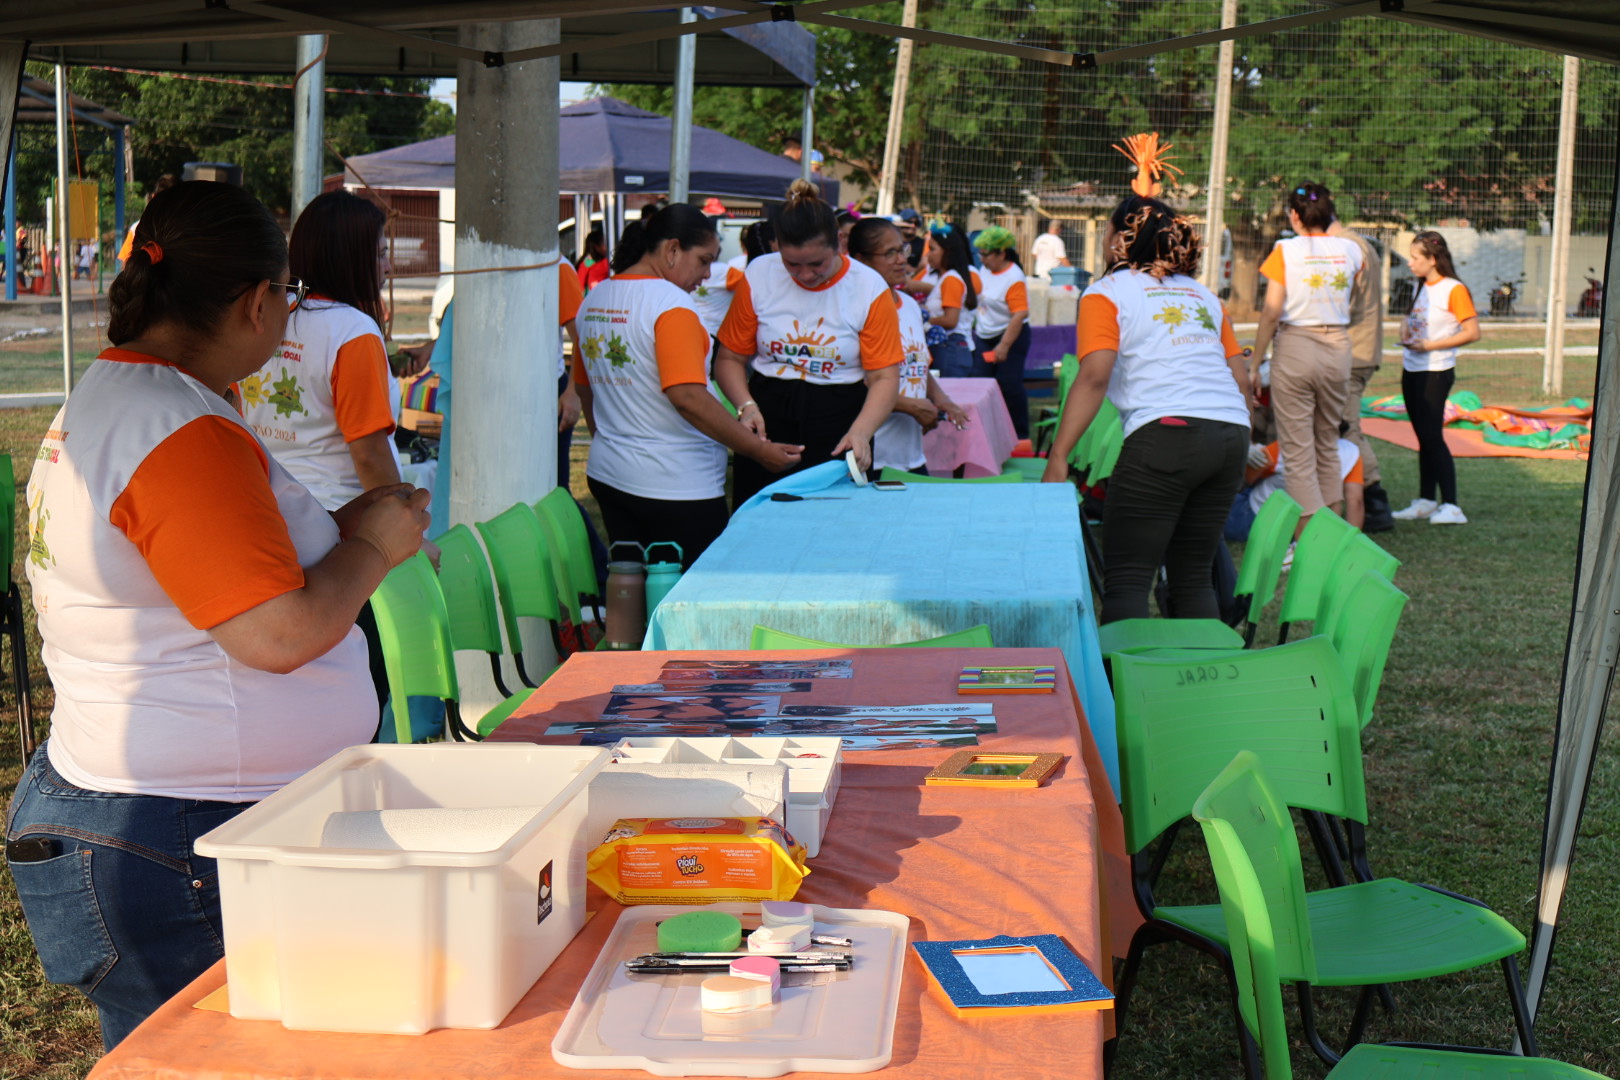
x=697 y=860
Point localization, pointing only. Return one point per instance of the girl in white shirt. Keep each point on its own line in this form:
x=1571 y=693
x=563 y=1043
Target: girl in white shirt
x=1442 y=318
x=1001 y=331
x=810 y=350
x=875 y=242
x=952 y=301
x=658 y=434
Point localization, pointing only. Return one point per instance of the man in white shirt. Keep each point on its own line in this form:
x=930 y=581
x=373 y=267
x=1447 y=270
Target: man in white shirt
x=1049 y=250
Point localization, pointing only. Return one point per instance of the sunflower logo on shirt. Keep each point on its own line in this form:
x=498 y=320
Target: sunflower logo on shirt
x=39 y=552
x=1172 y=315
x=284 y=395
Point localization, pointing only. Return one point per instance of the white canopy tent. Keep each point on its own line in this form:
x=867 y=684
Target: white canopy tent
x=417 y=36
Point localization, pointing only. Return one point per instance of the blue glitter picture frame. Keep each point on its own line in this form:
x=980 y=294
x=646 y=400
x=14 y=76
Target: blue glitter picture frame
x=1086 y=991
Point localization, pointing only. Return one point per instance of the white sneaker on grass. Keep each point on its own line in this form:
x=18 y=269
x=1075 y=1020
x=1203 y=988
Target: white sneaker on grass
x=1420 y=508
x=1448 y=514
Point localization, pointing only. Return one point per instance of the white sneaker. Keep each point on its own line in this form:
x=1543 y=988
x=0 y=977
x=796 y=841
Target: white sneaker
x=1420 y=508
x=1448 y=514
x=1288 y=557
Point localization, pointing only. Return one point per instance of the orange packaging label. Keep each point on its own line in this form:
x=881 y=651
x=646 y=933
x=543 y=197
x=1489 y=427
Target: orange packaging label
x=697 y=860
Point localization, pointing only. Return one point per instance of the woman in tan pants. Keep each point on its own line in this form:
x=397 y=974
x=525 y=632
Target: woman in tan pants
x=1307 y=312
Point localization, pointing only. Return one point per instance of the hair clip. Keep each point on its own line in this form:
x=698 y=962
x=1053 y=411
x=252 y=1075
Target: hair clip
x=1299 y=191
x=154 y=251
x=940 y=230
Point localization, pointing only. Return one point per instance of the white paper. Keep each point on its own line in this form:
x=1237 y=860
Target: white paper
x=1009 y=972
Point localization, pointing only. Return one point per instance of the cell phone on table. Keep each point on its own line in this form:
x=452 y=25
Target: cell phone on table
x=889 y=485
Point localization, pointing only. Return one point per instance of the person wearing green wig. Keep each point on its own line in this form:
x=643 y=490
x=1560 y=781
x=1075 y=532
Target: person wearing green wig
x=1001 y=324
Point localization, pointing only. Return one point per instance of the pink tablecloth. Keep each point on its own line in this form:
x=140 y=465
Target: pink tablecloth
x=988 y=439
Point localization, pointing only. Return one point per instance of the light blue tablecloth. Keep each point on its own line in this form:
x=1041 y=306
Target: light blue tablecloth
x=880 y=566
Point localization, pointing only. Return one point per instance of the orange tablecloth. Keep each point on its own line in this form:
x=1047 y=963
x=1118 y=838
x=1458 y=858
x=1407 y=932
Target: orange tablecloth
x=962 y=863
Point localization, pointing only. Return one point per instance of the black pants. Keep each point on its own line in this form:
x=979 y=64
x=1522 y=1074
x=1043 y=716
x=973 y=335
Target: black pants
x=565 y=443
x=1167 y=502
x=1425 y=393
x=1009 y=374
x=798 y=413
x=691 y=523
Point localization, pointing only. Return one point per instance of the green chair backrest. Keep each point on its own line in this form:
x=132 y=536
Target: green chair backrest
x=914 y=478
x=517 y=551
x=1067 y=370
x=1325 y=534
x=559 y=506
x=1110 y=441
x=569 y=599
x=414 y=630
x=1358 y=556
x=1362 y=634
x=469 y=591
x=8 y=491
x=1255 y=855
x=974 y=637
x=1269 y=537
x=1179 y=722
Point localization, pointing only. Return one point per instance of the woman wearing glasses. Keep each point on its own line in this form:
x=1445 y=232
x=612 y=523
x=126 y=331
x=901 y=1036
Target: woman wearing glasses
x=196 y=608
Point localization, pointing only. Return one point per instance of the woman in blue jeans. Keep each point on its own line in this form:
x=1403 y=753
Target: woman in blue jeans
x=951 y=303
x=1157 y=343
x=196 y=610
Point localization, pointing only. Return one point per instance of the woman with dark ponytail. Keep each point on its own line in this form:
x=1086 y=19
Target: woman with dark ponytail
x=196 y=606
x=810 y=349
x=658 y=434
x=952 y=301
x=1307 y=311
x=1157 y=344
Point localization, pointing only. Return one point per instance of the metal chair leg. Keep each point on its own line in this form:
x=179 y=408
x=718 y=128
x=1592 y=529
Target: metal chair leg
x=1521 y=1011
x=1307 y=1017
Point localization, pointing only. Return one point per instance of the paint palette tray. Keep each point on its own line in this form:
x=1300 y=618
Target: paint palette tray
x=825 y=1021
x=813 y=765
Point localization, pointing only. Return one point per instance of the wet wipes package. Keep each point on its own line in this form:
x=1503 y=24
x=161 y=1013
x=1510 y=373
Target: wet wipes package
x=697 y=860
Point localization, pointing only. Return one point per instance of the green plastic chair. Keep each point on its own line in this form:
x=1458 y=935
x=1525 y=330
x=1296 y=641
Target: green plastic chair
x=1046 y=427
x=13 y=623
x=1319 y=545
x=574 y=609
x=914 y=478
x=1362 y=632
x=1110 y=441
x=974 y=637
x=414 y=629
x=469 y=599
x=1358 y=556
x=1027 y=469
x=1355 y=935
x=519 y=554
x=568 y=526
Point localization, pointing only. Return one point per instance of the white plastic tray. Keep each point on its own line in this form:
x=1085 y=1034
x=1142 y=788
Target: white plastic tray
x=826 y=1022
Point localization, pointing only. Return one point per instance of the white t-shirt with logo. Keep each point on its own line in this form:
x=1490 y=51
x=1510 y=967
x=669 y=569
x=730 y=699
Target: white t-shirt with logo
x=638 y=337
x=1173 y=342
x=1349 y=457
x=713 y=297
x=1438 y=311
x=830 y=335
x=897 y=443
x=949 y=291
x=1317 y=274
x=154 y=515
x=328 y=385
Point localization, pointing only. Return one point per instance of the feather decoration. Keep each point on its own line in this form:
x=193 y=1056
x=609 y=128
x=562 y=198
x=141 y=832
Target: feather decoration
x=1151 y=161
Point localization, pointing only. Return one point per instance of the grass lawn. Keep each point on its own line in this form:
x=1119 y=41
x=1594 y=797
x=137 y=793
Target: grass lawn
x=1457 y=759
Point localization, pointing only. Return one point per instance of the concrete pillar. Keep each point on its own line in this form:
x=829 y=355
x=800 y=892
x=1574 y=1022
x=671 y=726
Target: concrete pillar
x=807 y=136
x=680 y=132
x=888 y=183
x=1215 y=219
x=1552 y=369
x=309 y=120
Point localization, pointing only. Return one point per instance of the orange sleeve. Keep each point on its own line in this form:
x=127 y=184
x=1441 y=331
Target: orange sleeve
x=952 y=293
x=978 y=283
x=1357 y=475
x=581 y=378
x=1017 y=297
x=1229 y=338
x=1099 y=325
x=1461 y=304
x=570 y=295
x=200 y=511
x=1273 y=266
x=880 y=337
x=734 y=277
x=740 y=331
x=360 y=388
x=682 y=346
x=127 y=248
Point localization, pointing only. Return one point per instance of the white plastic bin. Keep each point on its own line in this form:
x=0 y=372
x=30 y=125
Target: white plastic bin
x=404 y=941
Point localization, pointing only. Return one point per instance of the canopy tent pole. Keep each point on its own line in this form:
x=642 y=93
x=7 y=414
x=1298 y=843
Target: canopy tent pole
x=807 y=134
x=120 y=184
x=1215 y=212
x=64 y=242
x=897 y=115
x=1594 y=638
x=680 y=134
x=1552 y=369
x=309 y=120
x=11 y=219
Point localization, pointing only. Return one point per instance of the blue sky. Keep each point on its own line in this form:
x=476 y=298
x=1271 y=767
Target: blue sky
x=569 y=92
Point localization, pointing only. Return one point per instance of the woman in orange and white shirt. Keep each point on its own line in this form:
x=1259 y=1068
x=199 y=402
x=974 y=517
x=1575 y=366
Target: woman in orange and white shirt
x=659 y=435
x=811 y=348
x=1001 y=331
x=1307 y=310
x=1442 y=318
x=952 y=301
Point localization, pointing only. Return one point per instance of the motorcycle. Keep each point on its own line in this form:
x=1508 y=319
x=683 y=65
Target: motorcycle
x=1502 y=297
x=1591 y=302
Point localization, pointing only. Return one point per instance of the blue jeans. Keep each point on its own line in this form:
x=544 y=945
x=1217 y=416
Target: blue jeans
x=1240 y=520
x=953 y=357
x=1009 y=374
x=118 y=905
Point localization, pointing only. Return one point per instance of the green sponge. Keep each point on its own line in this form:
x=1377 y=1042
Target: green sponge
x=700 y=931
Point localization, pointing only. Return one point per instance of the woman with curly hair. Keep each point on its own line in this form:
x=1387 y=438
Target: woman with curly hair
x=1157 y=344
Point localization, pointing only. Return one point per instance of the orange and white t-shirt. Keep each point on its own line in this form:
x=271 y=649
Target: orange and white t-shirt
x=712 y=298
x=1173 y=342
x=1003 y=294
x=897 y=443
x=830 y=335
x=154 y=514
x=638 y=337
x=1438 y=311
x=328 y=385
x=1317 y=274
x=1271 y=479
x=950 y=292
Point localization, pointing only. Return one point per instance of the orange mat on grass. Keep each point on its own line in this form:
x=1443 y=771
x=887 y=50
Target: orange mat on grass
x=1463 y=442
